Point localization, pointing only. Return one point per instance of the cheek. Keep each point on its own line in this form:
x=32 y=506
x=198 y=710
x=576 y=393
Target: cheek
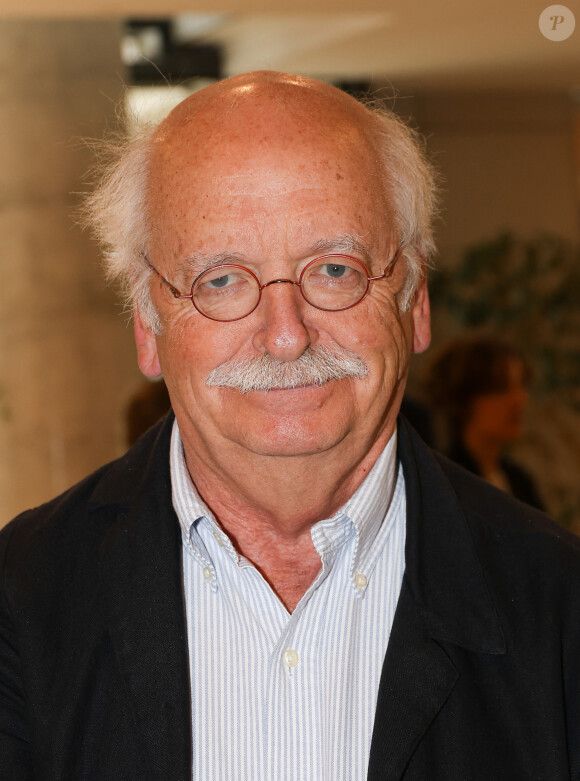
x=380 y=333
x=191 y=346
x=180 y=350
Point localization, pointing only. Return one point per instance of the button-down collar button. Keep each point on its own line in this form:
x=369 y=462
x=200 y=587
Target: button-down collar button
x=218 y=539
x=207 y=573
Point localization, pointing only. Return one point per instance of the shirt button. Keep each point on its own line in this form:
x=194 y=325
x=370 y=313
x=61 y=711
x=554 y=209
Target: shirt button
x=218 y=539
x=207 y=573
x=360 y=580
x=290 y=657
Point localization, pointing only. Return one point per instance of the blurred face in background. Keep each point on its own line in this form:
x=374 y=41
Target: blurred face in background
x=498 y=415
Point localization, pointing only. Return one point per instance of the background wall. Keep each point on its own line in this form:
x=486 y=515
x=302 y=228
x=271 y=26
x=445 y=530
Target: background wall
x=66 y=353
x=509 y=160
x=509 y=164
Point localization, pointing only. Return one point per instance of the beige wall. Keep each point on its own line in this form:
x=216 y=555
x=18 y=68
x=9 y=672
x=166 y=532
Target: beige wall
x=508 y=161
x=66 y=355
x=66 y=351
x=511 y=162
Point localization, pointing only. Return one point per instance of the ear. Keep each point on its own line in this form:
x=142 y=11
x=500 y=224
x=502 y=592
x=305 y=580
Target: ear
x=146 y=347
x=421 y=312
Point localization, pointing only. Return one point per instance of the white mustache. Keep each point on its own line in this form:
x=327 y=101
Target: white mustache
x=315 y=366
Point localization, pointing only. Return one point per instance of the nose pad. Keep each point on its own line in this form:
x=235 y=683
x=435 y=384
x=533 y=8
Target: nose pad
x=284 y=334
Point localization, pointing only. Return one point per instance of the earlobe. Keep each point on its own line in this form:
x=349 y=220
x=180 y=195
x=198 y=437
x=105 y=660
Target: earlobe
x=146 y=348
x=421 y=319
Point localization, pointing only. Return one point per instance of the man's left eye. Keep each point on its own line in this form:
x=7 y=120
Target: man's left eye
x=335 y=270
x=223 y=281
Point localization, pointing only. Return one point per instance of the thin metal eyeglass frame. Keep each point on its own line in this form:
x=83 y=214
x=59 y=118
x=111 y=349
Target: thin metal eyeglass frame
x=177 y=294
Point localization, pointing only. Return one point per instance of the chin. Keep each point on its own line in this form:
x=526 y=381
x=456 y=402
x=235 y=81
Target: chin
x=295 y=422
x=286 y=438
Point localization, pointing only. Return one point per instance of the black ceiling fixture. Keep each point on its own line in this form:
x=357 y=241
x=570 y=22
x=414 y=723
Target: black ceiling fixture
x=171 y=61
x=358 y=88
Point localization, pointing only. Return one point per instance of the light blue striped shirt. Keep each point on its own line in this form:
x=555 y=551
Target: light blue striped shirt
x=290 y=697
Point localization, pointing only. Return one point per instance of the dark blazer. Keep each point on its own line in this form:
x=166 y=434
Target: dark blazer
x=521 y=484
x=480 y=680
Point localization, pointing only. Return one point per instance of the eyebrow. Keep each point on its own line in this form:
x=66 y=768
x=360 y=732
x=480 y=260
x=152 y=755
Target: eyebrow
x=198 y=262
x=344 y=243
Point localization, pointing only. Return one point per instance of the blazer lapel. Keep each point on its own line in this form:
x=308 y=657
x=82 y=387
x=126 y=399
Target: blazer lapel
x=444 y=599
x=142 y=580
x=416 y=680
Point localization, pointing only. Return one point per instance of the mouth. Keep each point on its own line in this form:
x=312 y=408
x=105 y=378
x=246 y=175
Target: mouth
x=297 y=399
x=286 y=388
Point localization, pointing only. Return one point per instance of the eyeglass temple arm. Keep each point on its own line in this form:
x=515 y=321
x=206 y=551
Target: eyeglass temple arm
x=174 y=290
x=390 y=264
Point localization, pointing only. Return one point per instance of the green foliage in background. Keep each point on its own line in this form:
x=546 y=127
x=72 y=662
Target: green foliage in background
x=528 y=292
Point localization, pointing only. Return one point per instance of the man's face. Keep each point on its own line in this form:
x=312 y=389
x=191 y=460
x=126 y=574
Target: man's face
x=272 y=193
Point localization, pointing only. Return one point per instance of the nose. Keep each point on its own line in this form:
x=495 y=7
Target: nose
x=283 y=332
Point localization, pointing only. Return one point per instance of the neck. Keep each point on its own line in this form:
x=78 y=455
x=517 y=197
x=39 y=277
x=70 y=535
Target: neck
x=287 y=493
x=268 y=504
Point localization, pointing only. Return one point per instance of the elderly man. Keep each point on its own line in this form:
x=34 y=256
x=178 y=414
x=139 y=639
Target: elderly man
x=278 y=583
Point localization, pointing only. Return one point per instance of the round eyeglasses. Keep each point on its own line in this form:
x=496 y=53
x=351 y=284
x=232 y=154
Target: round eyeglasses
x=228 y=292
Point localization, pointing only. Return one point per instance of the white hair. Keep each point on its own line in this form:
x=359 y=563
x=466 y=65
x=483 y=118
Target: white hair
x=315 y=366
x=412 y=193
x=116 y=210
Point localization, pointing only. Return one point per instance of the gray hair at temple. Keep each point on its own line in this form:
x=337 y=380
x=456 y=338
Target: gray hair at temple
x=116 y=210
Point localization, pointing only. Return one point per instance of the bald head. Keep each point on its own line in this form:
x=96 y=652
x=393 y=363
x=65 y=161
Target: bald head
x=265 y=134
x=260 y=119
x=266 y=111
x=279 y=92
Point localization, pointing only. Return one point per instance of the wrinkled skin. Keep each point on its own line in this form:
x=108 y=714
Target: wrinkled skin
x=270 y=169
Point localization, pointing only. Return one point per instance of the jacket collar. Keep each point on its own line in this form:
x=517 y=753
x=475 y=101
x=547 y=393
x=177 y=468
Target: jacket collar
x=444 y=600
x=442 y=569
x=142 y=585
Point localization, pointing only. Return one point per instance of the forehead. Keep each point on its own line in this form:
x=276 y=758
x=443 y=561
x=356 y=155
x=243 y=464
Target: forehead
x=286 y=164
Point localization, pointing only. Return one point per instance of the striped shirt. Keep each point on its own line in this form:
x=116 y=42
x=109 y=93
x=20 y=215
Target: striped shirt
x=290 y=697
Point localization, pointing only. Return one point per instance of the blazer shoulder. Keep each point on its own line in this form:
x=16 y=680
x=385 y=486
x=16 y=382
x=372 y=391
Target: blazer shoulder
x=74 y=523
x=509 y=529
x=481 y=498
x=508 y=535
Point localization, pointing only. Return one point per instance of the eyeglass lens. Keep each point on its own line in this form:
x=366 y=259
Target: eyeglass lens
x=230 y=292
x=226 y=293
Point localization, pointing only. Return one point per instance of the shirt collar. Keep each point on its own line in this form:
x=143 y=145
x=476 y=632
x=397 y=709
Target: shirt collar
x=188 y=504
x=369 y=513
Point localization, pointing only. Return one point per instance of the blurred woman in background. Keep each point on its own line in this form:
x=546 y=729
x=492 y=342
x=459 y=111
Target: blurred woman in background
x=480 y=387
